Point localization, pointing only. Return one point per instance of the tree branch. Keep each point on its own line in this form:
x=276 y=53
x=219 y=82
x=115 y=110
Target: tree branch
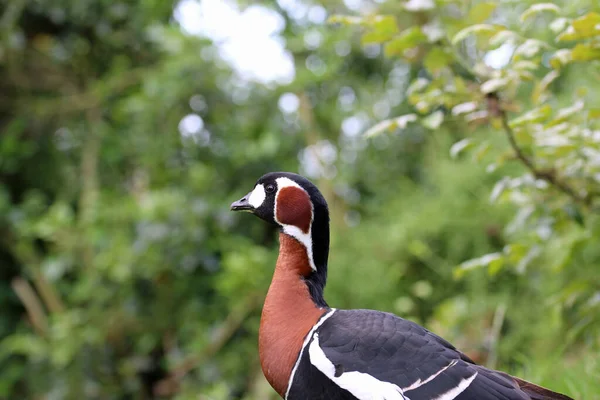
x=89 y=185
x=47 y=292
x=497 y=322
x=547 y=175
x=495 y=109
x=24 y=252
x=32 y=304
x=230 y=325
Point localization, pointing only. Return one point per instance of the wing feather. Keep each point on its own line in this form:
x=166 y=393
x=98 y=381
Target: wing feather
x=399 y=353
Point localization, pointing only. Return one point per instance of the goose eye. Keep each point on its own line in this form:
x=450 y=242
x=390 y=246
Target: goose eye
x=270 y=188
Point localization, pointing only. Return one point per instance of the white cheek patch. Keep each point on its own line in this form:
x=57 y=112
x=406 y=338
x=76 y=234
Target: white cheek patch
x=257 y=196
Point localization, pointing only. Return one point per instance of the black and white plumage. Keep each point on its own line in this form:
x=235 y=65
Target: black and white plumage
x=310 y=351
x=366 y=354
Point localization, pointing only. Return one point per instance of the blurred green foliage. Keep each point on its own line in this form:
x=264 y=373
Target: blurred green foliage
x=464 y=197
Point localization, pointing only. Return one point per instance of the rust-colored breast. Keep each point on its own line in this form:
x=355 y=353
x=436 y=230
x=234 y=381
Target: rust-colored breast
x=288 y=315
x=294 y=208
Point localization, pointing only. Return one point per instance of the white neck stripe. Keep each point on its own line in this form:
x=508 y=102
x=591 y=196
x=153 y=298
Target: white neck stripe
x=306 y=340
x=292 y=230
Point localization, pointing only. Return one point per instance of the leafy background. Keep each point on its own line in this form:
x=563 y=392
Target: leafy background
x=464 y=195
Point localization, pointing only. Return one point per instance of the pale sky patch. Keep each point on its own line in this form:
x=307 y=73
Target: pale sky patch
x=248 y=40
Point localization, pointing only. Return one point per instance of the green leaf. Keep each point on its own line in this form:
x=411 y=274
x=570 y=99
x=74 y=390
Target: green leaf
x=561 y=58
x=477 y=117
x=409 y=38
x=594 y=113
x=583 y=27
x=525 y=65
x=404 y=120
x=480 y=12
x=588 y=25
x=379 y=128
x=434 y=120
x=390 y=124
x=481 y=151
x=483 y=261
x=26 y=344
x=543 y=84
x=529 y=48
x=383 y=28
x=495 y=266
x=568 y=35
x=585 y=52
x=417 y=86
x=460 y=146
x=538 y=8
x=564 y=113
x=477 y=29
x=521 y=255
x=464 y=108
x=345 y=20
x=559 y=25
x=493 y=85
x=436 y=59
x=499 y=188
x=536 y=115
x=502 y=37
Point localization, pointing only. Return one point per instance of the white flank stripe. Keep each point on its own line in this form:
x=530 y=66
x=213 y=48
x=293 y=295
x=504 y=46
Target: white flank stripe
x=306 y=340
x=419 y=383
x=462 y=386
x=362 y=386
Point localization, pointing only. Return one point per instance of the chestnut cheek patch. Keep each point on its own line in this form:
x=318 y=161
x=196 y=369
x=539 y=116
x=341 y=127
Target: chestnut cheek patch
x=294 y=208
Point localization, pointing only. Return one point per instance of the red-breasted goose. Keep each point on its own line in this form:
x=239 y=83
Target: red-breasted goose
x=311 y=351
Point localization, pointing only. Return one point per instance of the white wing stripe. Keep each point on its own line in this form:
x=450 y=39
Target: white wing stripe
x=419 y=383
x=462 y=386
x=306 y=340
x=362 y=386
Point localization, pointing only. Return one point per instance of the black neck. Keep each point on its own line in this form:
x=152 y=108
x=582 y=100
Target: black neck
x=320 y=241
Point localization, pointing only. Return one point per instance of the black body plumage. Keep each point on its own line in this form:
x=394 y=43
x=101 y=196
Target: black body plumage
x=392 y=350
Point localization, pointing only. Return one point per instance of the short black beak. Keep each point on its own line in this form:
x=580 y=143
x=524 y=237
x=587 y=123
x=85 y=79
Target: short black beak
x=242 y=204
